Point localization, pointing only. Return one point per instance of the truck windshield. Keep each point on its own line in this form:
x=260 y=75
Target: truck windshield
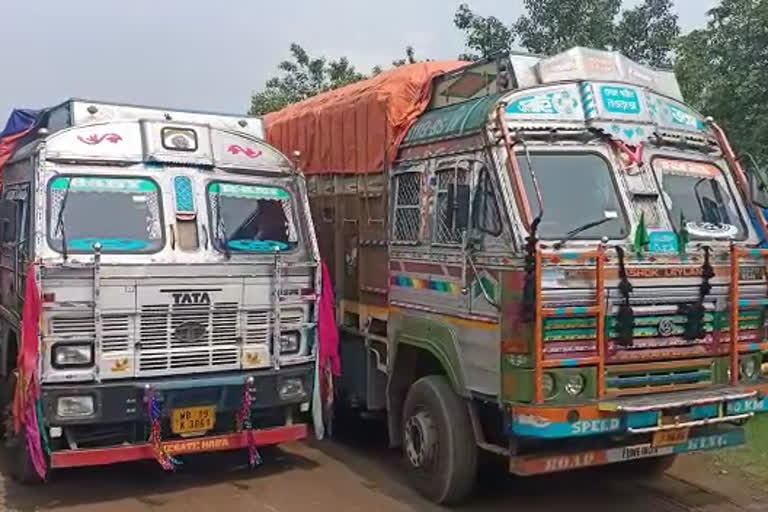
x=122 y=214
x=576 y=190
x=697 y=196
x=251 y=218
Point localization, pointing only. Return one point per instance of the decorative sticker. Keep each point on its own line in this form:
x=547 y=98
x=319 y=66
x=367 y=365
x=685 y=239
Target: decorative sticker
x=249 y=191
x=237 y=149
x=553 y=104
x=185 y=199
x=95 y=139
x=129 y=185
x=686 y=167
x=663 y=242
x=620 y=100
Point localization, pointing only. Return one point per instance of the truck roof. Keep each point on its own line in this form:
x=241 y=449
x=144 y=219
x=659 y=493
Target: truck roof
x=78 y=112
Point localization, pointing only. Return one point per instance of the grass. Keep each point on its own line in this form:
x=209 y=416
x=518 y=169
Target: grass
x=753 y=457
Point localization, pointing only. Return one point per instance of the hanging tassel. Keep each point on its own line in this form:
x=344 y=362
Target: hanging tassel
x=244 y=422
x=154 y=411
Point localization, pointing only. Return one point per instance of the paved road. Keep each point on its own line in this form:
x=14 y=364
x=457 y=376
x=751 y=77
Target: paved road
x=335 y=477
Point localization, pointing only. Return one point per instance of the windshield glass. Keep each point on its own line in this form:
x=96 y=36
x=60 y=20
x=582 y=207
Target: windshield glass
x=122 y=214
x=697 y=197
x=251 y=218
x=576 y=189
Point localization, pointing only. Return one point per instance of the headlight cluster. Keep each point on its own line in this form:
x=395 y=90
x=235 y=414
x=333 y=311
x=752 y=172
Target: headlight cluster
x=72 y=355
x=573 y=384
x=750 y=367
x=289 y=342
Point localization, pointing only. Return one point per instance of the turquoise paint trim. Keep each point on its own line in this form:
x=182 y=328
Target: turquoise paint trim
x=185 y=199
x=534 y=104
x=108 y=244
x=642 y=419
x=746 y=303
x=570 y=363
x=702 y=412
x=527 y=427
x=257 y=245
x=747 y=406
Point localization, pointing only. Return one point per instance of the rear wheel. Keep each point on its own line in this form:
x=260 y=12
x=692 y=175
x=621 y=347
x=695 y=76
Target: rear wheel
x=439 y=445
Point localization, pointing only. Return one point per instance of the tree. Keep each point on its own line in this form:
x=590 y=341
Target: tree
x=648 y=32
x=302 y=77
x=552 y=26
x=723 y=71
x=410 y=57
x=486 y=36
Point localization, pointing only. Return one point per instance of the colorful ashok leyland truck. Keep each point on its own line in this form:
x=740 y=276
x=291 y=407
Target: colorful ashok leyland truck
x=548 y=259
x=158 y=287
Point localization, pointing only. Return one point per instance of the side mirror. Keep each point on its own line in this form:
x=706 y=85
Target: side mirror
x=758 y=188
x=458 y=206
x=8 y=212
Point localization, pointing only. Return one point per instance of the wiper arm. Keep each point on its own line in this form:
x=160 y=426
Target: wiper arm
x=221 y=228
x=574 y=232
x=60 y=220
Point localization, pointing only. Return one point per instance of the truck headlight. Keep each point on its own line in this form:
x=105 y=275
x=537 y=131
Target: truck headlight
x=749 y=368
x=574 y=384
x=74 y=406
x=289 y=342
x=548 y=385
x=291 y=388
x=72 y=355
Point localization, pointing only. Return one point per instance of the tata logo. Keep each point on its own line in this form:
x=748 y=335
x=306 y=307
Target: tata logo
x=191 y=298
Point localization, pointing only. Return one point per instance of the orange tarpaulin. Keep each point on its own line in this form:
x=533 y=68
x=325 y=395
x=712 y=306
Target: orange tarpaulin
x=356 y=129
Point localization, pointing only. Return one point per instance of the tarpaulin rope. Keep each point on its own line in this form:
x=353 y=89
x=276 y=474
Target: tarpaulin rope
x=155 y=412
x=244 y=422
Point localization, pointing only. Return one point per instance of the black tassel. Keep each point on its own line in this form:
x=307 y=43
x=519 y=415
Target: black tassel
x=694 y=323
x=625 y=320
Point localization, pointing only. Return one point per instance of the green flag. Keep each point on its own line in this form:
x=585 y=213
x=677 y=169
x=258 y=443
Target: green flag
x=642 y=238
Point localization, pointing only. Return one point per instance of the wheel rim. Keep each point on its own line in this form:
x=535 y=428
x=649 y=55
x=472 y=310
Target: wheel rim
x=420 y=439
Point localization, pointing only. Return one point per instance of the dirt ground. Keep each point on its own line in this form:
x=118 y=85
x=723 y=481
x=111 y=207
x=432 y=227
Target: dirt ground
x=354 y=476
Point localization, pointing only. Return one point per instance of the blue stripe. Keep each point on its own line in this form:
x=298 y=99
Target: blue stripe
x=570 y=362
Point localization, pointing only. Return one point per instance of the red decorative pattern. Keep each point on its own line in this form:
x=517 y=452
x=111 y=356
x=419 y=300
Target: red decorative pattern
x=94 y=139
x=236 y=149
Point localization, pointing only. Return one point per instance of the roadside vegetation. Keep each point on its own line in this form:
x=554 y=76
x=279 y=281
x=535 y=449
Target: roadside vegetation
x=753 y=457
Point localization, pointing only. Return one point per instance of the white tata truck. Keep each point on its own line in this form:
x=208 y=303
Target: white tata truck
x=175 y=273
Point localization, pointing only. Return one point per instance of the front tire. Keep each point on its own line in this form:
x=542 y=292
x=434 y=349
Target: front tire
x=438 y=441
x=22 y=468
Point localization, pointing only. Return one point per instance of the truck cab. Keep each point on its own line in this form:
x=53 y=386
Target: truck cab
x=176 y=269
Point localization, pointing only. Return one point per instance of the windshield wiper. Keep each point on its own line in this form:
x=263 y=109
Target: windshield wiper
x=60 y=220
x=584 y=227
x=221 y=228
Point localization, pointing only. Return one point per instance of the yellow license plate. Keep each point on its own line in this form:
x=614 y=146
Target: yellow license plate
x=670 y=437
x=193 y=420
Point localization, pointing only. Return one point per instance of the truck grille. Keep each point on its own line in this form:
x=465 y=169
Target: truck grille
x=116 y=330
x=258 y=324
x=188 y=337
x=633 y=379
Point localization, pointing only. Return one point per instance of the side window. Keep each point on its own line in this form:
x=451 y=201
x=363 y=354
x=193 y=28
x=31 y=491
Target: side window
x=406 y=225
x=446 y=232
x=485 y=210
x=20 y=196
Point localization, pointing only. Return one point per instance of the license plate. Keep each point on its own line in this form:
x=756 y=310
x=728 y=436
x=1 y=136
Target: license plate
x=193 y=420
x=670 y=437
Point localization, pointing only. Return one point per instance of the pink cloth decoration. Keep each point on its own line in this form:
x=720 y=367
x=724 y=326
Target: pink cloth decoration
x=28 y=387
x=328 y=333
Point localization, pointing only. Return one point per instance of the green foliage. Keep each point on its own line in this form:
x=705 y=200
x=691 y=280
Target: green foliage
x=723 y=71
x=551 y=26
x=648 y=32
x=486 y=36
x=302 y=77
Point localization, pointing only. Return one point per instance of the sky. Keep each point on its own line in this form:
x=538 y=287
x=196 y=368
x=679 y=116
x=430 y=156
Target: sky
x=212 y=55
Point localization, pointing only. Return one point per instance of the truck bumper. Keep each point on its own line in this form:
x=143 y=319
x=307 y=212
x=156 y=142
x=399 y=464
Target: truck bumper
x=565 y=460
x=120 y=401
x=114 y=455
x=639 y=415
